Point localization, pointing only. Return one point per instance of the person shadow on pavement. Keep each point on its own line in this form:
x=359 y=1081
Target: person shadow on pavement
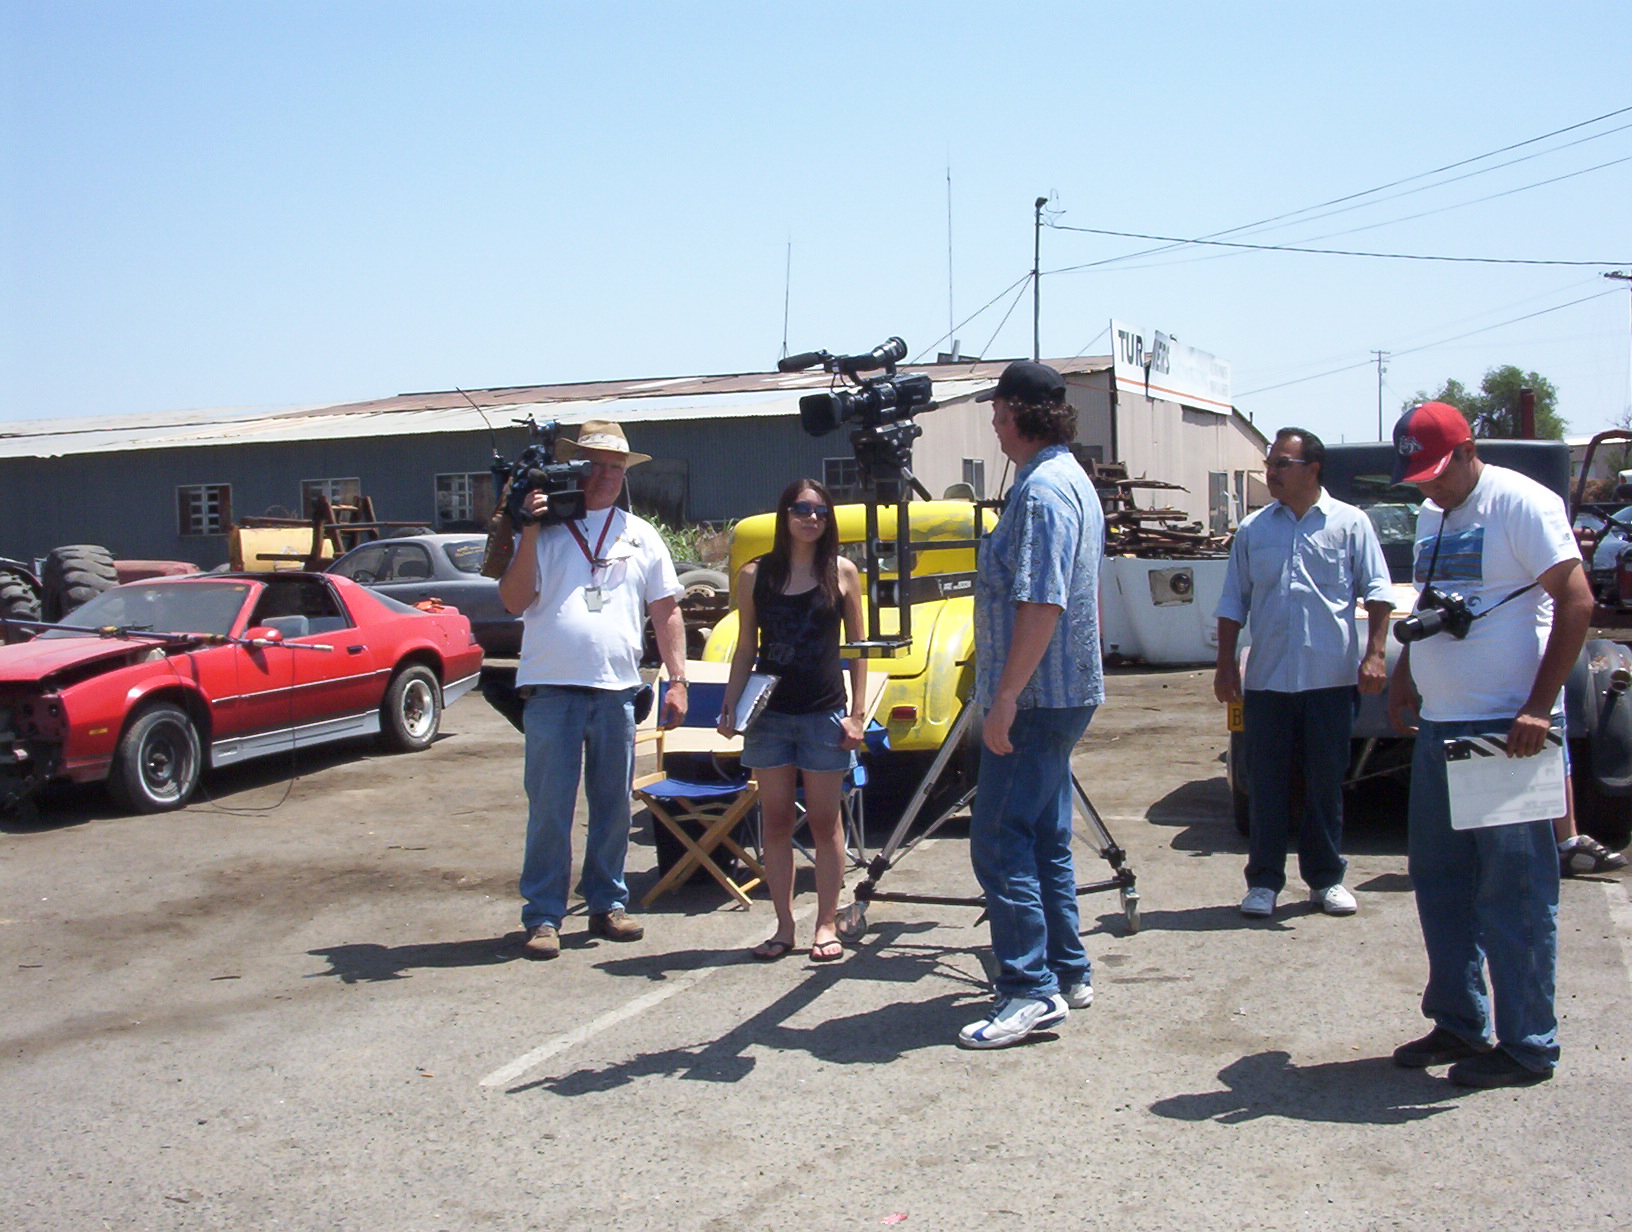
x=1364 y=1091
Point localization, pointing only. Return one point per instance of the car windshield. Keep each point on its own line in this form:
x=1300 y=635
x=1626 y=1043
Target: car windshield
x=159 y=607
x=466 y=554
x=1392 y=507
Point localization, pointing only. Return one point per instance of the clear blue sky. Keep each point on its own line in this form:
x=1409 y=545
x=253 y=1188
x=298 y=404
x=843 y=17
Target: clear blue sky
x=228 y=204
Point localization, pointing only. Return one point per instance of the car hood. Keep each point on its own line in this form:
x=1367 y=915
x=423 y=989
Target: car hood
x=35 y=660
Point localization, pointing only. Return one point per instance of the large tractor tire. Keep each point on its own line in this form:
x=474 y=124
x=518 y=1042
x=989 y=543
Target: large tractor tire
x=19 y=601
x=74 y=575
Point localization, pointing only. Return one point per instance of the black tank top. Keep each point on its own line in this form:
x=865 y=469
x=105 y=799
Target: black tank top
x=799 y=641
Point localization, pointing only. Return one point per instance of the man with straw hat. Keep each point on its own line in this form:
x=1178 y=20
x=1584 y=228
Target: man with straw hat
x=583 y=589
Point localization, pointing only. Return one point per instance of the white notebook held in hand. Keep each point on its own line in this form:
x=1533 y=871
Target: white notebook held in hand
x=756 y=695
x=1489 y=788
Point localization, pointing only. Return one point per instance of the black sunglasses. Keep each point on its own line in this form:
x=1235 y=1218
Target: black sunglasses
x=806 y=509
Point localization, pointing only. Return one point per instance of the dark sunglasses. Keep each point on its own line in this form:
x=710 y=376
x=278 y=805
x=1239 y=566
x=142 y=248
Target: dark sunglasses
x=805 y=509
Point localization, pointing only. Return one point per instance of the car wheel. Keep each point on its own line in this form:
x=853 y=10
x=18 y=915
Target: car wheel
x=703 y=583
x=158 y=761
x=74 y=575
x=1606 y=818
x=412 y=711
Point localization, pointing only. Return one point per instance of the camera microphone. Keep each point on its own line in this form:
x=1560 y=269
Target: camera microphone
x=801 y=361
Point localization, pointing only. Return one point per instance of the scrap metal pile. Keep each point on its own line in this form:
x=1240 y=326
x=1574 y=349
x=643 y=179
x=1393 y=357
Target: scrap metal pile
x=1148 y=532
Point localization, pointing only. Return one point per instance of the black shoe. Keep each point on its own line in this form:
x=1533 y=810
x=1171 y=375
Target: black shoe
x=1495 y=1069
x=1438 y=1047
x=1585 y=856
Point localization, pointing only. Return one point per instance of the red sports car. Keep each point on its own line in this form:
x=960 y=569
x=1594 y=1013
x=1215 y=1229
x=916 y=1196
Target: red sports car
x=180 y=674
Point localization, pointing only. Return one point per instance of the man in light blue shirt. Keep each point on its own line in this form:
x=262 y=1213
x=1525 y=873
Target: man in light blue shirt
x=1038 y=676
x=1296 y=569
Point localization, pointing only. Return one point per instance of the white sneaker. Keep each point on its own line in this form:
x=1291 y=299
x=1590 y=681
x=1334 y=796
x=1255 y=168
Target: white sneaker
x=1333 y=900
x=1014 y=1018
x=1259 y=902
x=1078 y=996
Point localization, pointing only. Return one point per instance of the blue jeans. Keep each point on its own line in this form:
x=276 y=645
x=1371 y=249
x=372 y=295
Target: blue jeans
x=566 y=728
x=1020 y=844
x=1486 y=896
x=1322 y=721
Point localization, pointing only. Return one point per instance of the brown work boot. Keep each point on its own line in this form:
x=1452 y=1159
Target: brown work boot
x=542 y=942
x=615 y=926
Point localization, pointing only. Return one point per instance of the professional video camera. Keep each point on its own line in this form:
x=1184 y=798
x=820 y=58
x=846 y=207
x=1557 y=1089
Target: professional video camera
x=880 y=400
x=536 y=470
x=1437 y=612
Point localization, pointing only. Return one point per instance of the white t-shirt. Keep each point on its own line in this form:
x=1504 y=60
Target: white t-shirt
x=1506 y=534
x=564 y=639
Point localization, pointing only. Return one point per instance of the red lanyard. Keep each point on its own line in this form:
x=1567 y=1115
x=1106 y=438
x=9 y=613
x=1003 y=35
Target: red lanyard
x=594 y=559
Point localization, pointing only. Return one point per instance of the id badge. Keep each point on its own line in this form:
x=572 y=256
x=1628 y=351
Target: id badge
x=594 y=599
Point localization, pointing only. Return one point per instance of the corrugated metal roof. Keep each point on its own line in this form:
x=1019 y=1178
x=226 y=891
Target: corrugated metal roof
x=649 y=400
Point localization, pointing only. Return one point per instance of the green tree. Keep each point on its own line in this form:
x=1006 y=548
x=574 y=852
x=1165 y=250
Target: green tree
x=1493 y=412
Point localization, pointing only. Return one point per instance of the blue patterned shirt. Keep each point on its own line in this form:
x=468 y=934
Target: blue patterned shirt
x=1044 y=549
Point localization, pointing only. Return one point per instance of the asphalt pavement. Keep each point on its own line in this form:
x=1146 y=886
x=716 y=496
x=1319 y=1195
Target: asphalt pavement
x=300 y=1004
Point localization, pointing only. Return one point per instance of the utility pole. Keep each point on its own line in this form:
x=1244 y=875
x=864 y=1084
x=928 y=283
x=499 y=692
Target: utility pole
x=1381 y=355
x=1624 y=276
x=1037 y=281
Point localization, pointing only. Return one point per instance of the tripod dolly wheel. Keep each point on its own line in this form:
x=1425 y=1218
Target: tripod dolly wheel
x=1130 y=909
x=851 y=922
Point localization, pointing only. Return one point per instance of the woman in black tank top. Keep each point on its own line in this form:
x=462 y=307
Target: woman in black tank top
x=790 y=604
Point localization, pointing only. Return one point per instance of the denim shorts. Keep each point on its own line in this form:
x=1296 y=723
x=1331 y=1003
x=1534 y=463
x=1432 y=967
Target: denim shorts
x=809 y=741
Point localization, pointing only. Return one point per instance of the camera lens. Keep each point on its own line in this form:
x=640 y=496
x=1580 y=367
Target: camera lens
x=1419 y=625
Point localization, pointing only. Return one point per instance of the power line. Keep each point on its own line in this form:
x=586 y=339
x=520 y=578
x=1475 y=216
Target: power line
x=1265 y=222
x=1427 y=346
x=1327 y=252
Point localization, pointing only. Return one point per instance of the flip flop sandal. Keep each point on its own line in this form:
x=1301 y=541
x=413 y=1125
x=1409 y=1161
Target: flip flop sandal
x=827 y=951
x=771 y=949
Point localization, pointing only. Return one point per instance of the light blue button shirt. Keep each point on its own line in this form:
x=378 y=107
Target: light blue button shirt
x=1297 y=579
x=1044 y=549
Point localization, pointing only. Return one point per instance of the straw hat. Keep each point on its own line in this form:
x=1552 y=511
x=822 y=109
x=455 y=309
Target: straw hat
x=600 y=434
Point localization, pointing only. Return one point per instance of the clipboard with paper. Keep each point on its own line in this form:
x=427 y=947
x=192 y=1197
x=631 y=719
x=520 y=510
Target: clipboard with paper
x=756 y=695
x=1489 y=788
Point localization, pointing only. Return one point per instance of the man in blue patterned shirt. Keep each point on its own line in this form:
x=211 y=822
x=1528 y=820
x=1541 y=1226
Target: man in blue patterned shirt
x=1038 y=677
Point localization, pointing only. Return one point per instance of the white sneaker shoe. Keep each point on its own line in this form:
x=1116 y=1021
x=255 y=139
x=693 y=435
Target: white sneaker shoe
x=1333 y=900
x=1014 y=1018
x=1259 y=902
x=1078 y=996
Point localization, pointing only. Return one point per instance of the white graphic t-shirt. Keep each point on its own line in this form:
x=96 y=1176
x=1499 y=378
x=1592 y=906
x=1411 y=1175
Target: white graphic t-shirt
x=1506 y=534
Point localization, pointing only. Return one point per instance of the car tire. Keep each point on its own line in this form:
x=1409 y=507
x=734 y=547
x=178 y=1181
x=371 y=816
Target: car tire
x=697 y=582
x=74 y=575
x=1606 y=818
x=158 y=762
x=411 y=713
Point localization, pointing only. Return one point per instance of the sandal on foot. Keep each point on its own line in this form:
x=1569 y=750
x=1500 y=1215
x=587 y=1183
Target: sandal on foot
x=827 y=951
x=771 y=949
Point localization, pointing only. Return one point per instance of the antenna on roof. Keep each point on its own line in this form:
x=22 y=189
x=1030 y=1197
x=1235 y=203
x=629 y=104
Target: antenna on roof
x=483 y=414
x=787 y=284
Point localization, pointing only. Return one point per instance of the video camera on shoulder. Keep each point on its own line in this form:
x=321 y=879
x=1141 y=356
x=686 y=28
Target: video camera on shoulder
x=536 y=470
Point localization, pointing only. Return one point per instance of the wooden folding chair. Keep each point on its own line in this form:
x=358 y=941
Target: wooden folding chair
x=715 y=808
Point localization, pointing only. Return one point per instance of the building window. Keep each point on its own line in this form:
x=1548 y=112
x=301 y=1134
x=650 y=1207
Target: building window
x=464 y=501
x=204 y=508
x=1218 y=502
x=974 y=474
x=335 y=491
x=840 y=477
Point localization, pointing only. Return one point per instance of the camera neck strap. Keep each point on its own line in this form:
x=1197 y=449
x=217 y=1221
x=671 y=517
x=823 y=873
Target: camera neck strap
x=596 y=561
x=1433 y=560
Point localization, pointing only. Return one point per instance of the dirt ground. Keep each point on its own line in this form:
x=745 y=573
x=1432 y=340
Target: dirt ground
x=301 y=1006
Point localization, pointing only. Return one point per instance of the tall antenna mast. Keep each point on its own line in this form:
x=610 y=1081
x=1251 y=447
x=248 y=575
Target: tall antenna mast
x=787 y=284
x=1381 y=355
x=951 y=342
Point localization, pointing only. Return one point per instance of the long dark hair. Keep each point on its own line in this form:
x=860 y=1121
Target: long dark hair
x=776 y=564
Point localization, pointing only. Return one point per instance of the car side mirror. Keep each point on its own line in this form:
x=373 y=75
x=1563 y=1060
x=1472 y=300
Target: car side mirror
x=263 y=633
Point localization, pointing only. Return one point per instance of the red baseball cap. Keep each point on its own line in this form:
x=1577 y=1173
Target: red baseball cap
x=1425 y=438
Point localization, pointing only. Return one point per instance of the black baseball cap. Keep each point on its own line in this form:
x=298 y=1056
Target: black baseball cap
x=1027 y=381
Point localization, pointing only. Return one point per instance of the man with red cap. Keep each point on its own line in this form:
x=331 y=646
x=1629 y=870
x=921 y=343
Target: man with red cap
x=1488 y=895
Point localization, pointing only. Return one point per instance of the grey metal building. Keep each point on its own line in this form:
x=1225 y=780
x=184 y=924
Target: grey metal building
x=170 y=486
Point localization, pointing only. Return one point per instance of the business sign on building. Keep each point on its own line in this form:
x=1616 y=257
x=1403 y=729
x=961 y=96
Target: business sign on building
x=1152 y=365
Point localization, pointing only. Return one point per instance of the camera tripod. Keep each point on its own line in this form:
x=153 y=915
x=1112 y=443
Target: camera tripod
x=852 y=920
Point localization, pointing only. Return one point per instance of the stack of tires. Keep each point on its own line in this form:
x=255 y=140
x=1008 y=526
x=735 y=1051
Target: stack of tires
x=73 y=576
